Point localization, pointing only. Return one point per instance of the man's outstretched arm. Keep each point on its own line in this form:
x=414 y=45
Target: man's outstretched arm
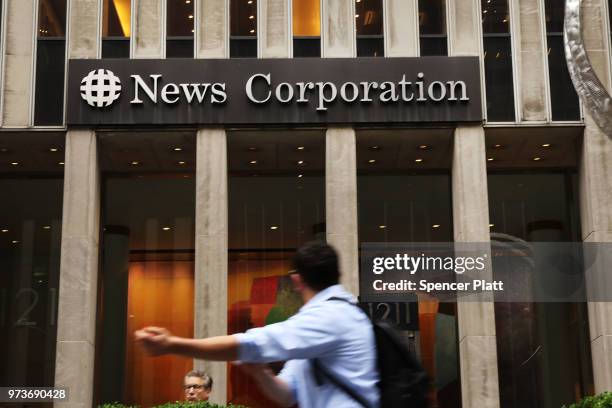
x=158 y=341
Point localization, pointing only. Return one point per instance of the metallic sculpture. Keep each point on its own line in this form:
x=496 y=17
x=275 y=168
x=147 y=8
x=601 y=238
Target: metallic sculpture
x=592 y=92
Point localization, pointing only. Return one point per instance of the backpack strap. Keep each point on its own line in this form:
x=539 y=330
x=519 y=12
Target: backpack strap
x=321 y=372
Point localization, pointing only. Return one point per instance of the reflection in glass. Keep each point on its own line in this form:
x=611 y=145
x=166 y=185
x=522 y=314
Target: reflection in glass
x=564 y=100
x=531 y=336
x=563 y=96
x=369 y=26
x=30 y=241
x=306 y=28
x=146 y=263
x=399 y=201
x=432 y=27
x=50 y=63
x=180 y=29
x=243 y=28
x=116 y=27
x=498 y=61
x=275 y=205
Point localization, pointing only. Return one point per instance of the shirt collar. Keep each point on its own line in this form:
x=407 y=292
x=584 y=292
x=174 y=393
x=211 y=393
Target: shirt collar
x=331 y=291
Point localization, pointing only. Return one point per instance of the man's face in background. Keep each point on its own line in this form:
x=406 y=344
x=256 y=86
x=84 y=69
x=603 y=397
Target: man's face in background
x=195 y=389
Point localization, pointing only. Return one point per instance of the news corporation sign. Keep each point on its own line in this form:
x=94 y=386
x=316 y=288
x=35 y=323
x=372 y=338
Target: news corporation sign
x=273 y=91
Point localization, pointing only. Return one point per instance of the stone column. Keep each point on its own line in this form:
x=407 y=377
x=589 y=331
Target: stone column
x=210 y=297
x=18 y=59
x=273 y=25
x=211 y=248
x=595 y=175
x=212 y=29
x=401 y=28
x=76 y=329
x=148 y=29
x=528 y=30
x=338 y=37
x=341 y=201
x=338 y=28
x=476 y=320
x=83 y=21
x=78 y=286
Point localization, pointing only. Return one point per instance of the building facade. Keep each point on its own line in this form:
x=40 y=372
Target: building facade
x=107 y=228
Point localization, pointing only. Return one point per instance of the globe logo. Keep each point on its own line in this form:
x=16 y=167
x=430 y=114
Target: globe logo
x=100 y=88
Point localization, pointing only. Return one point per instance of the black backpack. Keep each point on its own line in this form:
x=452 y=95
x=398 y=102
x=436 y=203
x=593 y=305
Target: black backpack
x=403 y=381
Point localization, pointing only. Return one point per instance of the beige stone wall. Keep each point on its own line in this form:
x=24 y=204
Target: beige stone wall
x=20 y=32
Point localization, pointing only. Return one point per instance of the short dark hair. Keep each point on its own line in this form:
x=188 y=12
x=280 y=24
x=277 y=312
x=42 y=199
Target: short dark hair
x=317 y=264
x=208 y=381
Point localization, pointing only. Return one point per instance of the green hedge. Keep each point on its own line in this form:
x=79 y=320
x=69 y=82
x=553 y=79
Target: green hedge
x=177 y=404
x=603 y=400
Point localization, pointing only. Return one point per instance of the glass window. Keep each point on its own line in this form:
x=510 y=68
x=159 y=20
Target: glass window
x=564 y=100
x=306 y=28
x=498 y=61
x=50 y=63
x=31 y=181
x=369 y=25
x=180 y=29
x=404 y=195
x=533 y=197
x=146 y=262
x=243 y=28
x=116 y=26
x=276 y=203
x=432 y=27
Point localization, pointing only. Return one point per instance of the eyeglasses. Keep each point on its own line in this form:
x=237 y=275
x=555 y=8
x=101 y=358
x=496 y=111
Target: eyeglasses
x=194 y=386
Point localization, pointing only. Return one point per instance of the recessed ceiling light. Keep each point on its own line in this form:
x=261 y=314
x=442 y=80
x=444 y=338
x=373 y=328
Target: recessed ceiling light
x=135 y=163
x=498 y=146
x=181 y=163
x=490 y=159
x=435 y=226
x=251 y=17
x=252 y=149
x=53 y=149
x=418 y=160
x=250 y=2
x=371 y=161
x=356 y=15
x=423 y=147
x=300 y=147
x=14 y=163
x=300 y=175
x=14 y=242
x=546 y=145
x=4 y=230
x=382 y=226
x=300 y=162
x=537 y=158
x=253 y=162
x=187 y=1
x=375 y=147
x=47 y=227
x=61 y=163
x=177 y=149
x=166 y=228
x=190 y=16
x=491 y=225
x=273 y=227
x=252 y=31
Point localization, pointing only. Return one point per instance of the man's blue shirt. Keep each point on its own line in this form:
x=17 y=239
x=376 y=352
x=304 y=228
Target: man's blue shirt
x=337 y=333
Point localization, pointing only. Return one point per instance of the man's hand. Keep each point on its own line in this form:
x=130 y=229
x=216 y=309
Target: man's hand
x=155 y=340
